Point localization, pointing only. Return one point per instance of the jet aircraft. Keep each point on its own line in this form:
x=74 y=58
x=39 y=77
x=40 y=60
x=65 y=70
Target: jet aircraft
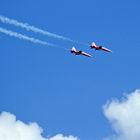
x=77 y=52
x=94 y=46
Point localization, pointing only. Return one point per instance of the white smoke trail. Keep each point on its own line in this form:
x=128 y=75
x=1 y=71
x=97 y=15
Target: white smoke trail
x=33 y=28
x=24 y=37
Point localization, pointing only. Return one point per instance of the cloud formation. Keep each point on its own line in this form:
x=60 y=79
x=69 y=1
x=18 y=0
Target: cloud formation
x=124 y=116
x=61 y=137
x=12 y=129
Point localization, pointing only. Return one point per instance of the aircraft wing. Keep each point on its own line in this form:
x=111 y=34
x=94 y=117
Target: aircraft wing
x=105 y=49
x=86 y=54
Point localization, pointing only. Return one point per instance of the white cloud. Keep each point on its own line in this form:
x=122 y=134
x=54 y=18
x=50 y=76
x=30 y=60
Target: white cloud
x=124 y=116
x=12 y=129
x=61 y=137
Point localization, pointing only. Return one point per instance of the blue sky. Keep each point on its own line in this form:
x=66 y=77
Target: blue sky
x=61 y=92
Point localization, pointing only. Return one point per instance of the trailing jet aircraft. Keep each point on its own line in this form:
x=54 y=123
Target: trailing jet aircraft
x=76 y=52
x=94 y=46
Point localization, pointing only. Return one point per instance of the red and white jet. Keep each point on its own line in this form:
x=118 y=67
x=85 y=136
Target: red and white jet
x=94 y=46
x=76 y=52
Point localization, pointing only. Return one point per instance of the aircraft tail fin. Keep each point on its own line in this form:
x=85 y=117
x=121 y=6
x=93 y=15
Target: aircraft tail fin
x=73 y=49
x=93 y=44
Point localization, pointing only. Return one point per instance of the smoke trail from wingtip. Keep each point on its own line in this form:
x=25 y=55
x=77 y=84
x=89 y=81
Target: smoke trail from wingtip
x=34 y=29
x=24 y=37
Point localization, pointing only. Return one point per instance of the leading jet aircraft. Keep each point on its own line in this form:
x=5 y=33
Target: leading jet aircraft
x=77 y=52
x=94 y=46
